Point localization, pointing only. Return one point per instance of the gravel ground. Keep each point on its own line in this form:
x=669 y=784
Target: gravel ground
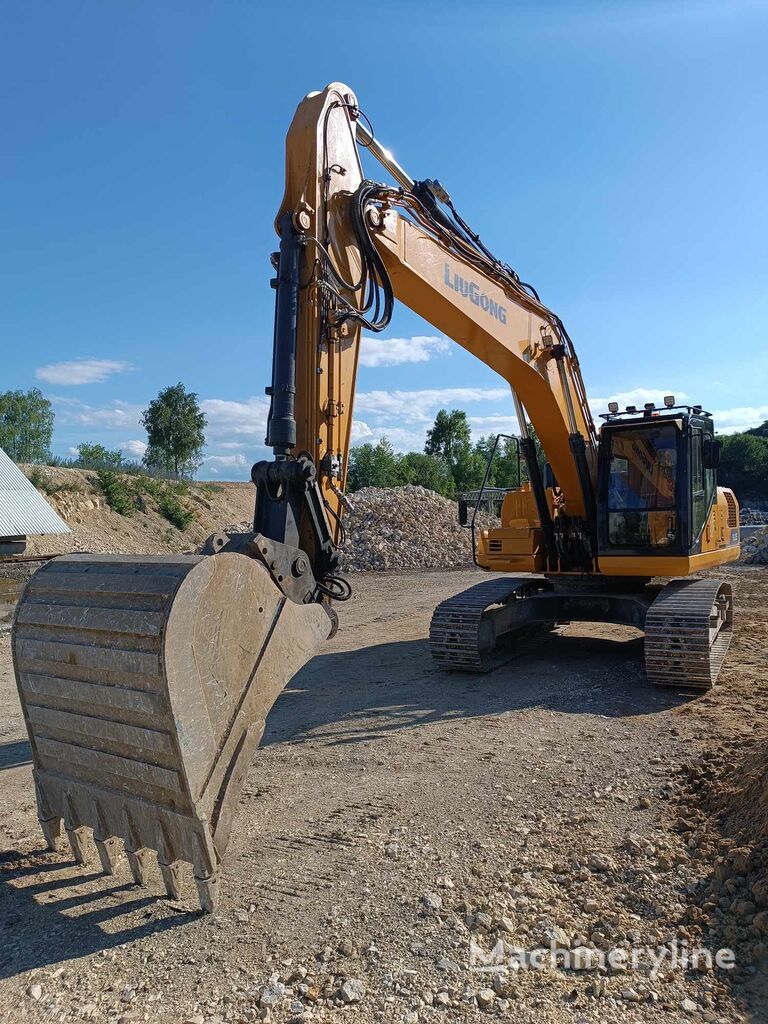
x=395 y=815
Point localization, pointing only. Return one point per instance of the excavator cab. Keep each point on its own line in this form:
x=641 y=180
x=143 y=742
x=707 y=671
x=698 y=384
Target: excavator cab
x=657 y=484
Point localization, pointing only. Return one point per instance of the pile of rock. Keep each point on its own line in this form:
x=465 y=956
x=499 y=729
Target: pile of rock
x=404 y=528
x=753 y=517
x=754 y=549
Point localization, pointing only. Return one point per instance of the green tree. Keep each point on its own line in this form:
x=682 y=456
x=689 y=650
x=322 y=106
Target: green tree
x=373 y=466
x=430 y=471
x=175 y=429
x=26 y=425
x=96 y=456
x=504 y=467
x=744 y=464
x=449 y=437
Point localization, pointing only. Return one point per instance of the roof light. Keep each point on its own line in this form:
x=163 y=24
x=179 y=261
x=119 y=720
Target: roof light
x=669 y=401
x=649 y=406
x=613 y=407
x=631 y=408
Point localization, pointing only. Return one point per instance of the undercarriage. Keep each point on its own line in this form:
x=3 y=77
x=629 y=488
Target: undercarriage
x=687 y=623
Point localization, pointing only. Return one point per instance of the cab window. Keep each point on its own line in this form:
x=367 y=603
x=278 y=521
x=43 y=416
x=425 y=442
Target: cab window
x=642 y=487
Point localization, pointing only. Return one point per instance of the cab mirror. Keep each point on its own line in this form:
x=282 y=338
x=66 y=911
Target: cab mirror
x=463 y=512
x=711 y=453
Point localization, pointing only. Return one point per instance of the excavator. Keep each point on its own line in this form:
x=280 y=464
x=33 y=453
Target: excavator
x=145 y=681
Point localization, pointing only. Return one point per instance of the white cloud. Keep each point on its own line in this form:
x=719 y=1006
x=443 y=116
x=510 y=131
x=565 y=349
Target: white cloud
x=81 y=371
x=118 y=415
x=421 y=406
x=401 y=438
x=638 y=397
x=395 y=351
x=133 y=449
x=225 y=460
x=226 y=419
x=728 y=421
x=482 y=425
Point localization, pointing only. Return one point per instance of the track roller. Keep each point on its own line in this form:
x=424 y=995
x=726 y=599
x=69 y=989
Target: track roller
x=687 y=633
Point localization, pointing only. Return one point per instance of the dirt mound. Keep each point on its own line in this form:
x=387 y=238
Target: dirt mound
x=389 y=528
x=404 y=528
x=78 y=497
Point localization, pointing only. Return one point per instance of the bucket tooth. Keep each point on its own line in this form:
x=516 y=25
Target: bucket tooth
x=208 y=891
x=138 y=862
x=51 y=828
x=109 y=853
x=50 y=822
x=170 y=866
x=78 y=843
x=171 y=878
x=77 y=834
x=107 y=845
x=145 y=683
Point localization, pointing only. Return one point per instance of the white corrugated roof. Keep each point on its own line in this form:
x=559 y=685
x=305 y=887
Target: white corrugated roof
x=23 y=509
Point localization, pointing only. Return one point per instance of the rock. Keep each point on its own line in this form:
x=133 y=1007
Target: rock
x=634 y=843
x=631 y=995
x=196 y=1018
x=506 y=924
x=411 y=1017
x=688 y=1006
x=760 y=922
x=352 y=991
x=392 y=850
x=432 y=901
x=441 y=1000
x=447 y=966
x=644 y=802
x=600 y=862
x=547 y=934
x=272 y=994
x=407 y=527
x=486 y=998
x=499 y=982
x=35 y=991
x=583 y=958
x=346 y=947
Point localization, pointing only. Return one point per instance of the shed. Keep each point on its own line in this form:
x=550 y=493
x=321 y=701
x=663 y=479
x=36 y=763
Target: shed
x=23 y=509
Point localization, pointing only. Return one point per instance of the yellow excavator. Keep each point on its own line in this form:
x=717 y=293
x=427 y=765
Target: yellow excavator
x=145 y=681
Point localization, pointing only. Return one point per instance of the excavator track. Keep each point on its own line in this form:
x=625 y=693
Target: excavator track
x=145 y=684
x=462 y=636
x=688 y=632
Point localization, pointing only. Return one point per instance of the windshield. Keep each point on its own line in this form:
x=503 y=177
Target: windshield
x=641 y=487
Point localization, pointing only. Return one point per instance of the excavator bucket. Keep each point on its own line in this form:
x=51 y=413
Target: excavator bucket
x=145 y=684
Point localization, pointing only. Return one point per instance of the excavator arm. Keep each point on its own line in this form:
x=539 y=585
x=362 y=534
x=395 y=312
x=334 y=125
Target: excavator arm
x=348 y=249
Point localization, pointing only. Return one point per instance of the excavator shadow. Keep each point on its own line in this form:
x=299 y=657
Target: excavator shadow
x=366 y=693
x=52 y=910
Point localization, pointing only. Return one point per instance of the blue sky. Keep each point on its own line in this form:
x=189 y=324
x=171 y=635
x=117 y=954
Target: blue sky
x=614 y=153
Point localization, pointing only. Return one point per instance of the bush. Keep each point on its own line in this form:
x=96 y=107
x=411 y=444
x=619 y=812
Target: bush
x=170 y=507
x=117 y=494
x=96 y=456
x=37 y=478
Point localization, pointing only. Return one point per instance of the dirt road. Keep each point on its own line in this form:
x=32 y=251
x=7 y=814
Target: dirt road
x=394 y=819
